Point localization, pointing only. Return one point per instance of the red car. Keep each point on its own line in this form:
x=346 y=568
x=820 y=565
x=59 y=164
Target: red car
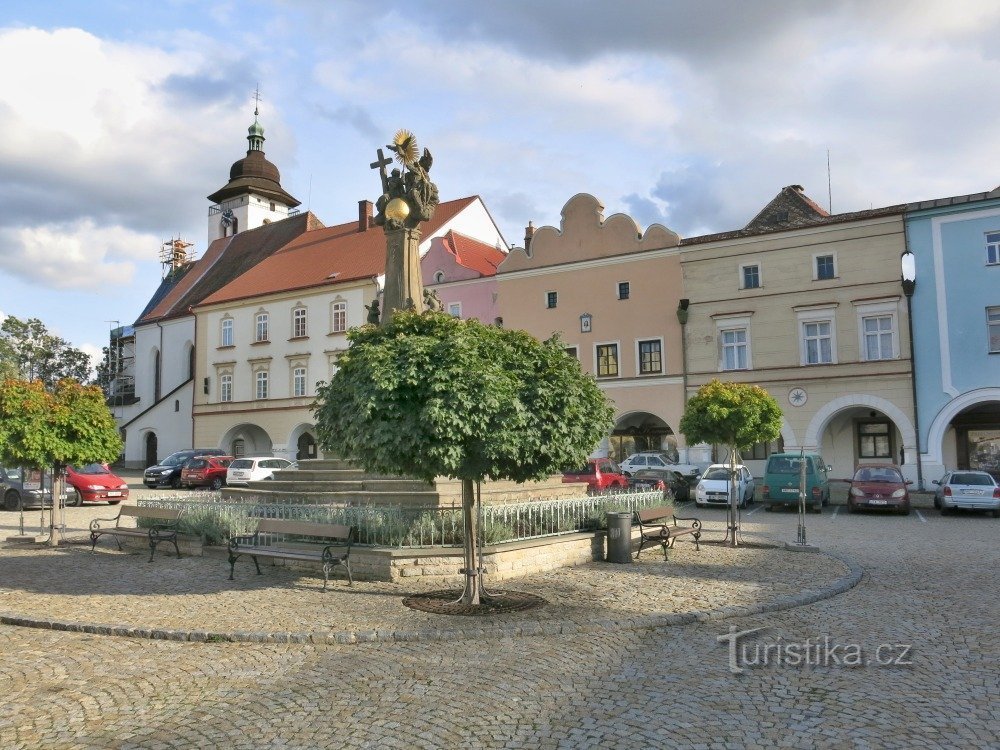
x=878 y=487
x=94 y=483
x=600 y=474
x=206 y=471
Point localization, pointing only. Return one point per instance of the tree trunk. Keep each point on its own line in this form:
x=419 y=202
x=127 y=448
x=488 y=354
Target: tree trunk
x=473 y=578
x=734 y=501
x=55 y=530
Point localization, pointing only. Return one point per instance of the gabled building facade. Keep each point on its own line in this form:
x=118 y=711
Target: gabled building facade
x=462 y=271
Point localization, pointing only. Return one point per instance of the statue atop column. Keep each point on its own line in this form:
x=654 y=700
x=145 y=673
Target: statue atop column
x=408 y=198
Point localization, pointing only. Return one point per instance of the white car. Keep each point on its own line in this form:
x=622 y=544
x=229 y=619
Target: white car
x=243 y=470
x=656 y=460
x=713 y=487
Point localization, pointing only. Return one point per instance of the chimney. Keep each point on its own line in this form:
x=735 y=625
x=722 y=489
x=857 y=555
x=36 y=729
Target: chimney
x=529 y=231
x=365 y=216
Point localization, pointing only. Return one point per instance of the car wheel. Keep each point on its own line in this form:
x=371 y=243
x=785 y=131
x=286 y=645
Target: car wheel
x=217 y=484
x=176 y=483
x=12 y=500
x=113 y=502
x=905 y=510
x=818 y=508
x=937 y=502
x=769 y=507
x=73 y=499
x=945 y=510
x=996 y=514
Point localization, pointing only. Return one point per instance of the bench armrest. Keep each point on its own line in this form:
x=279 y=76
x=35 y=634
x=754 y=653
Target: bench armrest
x=329 y=555
x=95 y=523
x=695 y=522
x=236 y=541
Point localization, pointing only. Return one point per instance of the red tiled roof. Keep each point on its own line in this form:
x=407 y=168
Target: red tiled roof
x=330 y=255
x=473 y=254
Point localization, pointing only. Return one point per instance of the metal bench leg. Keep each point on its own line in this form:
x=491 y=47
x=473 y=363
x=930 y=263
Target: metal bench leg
x=254 y=557
x=93 y=541
x=697 y=536
x=177 y=549
x=326 y=574
x=665 y=544
x=350 y=578
x=152 y=549
x=232 y=564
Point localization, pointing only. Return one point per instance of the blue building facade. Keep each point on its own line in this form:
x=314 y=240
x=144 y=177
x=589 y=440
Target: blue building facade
x=956 y=331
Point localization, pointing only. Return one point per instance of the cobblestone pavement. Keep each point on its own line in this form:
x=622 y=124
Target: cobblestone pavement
x=928 y=597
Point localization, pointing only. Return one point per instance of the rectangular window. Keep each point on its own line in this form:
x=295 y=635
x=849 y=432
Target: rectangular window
x=299 y=381
x=226 y=387
x=873 y=440
x=623 y=290
x=261 y=333
x=650 y=357
x=825 y=267
x=455 y=309
x=551 y=298
x=338 y=322
x=993 y=324
x=993 y=248
x=818 y=342
x=607 y=360
x=734 y=349
x=261 y=381
x=226 y=338
x=571 y=351
x=299 y=322
x=751 y=277
x=879 y=337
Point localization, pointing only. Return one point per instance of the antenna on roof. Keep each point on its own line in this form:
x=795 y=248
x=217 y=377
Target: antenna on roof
x=829 y=184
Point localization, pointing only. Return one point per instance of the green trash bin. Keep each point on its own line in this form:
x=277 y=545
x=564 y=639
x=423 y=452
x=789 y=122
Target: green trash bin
x=619 y=537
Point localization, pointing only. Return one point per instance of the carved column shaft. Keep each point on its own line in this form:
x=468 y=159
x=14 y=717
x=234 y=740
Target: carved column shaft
x=402 y=272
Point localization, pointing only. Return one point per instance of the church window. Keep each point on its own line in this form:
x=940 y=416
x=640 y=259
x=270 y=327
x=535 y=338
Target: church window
x=226 y=333
x=299 y=323
x=262 y=321
x=338 y=322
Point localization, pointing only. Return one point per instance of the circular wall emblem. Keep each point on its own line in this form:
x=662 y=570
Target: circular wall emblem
x=797 y=396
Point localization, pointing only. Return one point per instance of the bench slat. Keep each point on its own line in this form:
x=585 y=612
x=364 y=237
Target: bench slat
x=303 y=528
x=164 y=514
x=649 y=514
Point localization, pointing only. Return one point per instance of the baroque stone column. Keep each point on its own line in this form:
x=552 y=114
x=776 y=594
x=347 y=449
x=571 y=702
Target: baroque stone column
x=404 y=286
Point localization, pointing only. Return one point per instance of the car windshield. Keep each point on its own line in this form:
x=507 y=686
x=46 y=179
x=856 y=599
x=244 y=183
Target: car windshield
x=91 y=469
x=241 y=463
x=13 y=474
x=717 y=474
x=588 y=469
x=784 y=466
x=979 y=480
x=878 y=475
x=175 y=460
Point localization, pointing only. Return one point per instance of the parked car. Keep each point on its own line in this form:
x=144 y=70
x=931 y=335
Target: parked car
x=713 y=487
x=205 y=471
x=16 y=496
x=168 y=471
x=974 y=490
x=662 y=479
x=243 y=470
x=93 y=483
x=600 y=474
x=658 y=460
x=879 y=486
x=782 y=475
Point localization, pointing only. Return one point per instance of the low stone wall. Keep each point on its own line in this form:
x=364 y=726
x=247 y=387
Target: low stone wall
x=501 y=562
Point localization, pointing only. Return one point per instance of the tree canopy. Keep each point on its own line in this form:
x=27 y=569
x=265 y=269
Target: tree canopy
x=29 y=352
x=733 y=414
x=68 y=425
x=432 y=395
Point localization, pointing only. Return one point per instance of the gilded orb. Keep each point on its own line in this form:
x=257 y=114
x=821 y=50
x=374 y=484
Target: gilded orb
x=397 y=209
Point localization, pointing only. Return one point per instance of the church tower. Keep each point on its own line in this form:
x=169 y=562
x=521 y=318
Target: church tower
x=253 y=195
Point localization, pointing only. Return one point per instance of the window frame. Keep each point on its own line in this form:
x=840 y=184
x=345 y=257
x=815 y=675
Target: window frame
x=455 y=309
x=623 y=286
x=826 y=314
x=225 y=387
x=658 y=340
x=300 y=322
x=875 y=309
x=874 y=453
x=227 y=326
x=993 y=321
x=992 y=241
x=551 y=300
x=300 y=374
x=732 y=323
x=833 y=262
x=338 y=316
x=262 y=327
x=744 y=267
x=261 y=377
x=617 y=360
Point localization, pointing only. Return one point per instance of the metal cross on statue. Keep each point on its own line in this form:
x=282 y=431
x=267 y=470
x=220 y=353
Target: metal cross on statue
x=380 y=164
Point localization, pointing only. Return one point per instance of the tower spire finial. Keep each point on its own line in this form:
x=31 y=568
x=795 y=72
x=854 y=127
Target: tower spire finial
x=256 y=97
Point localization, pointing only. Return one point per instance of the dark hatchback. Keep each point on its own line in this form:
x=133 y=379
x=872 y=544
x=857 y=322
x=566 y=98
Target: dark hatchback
x=168 y=471
x=662 y=479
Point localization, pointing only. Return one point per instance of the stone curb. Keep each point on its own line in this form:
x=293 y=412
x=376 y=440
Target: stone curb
x=520 y=630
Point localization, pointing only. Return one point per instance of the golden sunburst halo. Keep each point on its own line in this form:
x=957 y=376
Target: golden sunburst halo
x=406 y=146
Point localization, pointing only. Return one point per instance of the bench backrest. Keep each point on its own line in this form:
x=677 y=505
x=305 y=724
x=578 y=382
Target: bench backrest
x=303 y=528
x=664 y=512
x=163 y=514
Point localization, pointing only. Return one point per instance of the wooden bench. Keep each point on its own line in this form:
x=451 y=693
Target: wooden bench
x=658 y=526
x=326 y=543
x=164 y=528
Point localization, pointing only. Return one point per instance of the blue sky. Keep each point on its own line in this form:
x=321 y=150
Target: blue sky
x=118 y=118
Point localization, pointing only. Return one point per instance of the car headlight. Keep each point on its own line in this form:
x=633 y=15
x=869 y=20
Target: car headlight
x=95 y=487
x=123 y=486
x=856 y=492
x=899 y=493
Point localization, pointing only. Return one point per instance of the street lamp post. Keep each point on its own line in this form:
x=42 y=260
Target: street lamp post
x=908 y=277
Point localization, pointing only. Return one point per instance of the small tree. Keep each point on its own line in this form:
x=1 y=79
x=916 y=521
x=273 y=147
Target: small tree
x=736 y=415
x=42 y=429
x=30 y=352
x=432 y=395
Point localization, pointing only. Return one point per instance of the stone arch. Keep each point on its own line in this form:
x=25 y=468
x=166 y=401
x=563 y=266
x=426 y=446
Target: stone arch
x=934 y=449
x=299 y=441
x=256 y=441
x=821 y=420
x=640 y=430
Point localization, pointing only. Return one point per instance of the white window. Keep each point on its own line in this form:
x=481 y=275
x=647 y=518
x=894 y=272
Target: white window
x=261 y=330
x=993 y=325
x=338 y=317
x=650 y=354
x=299 y=381
x=226 y=387
x=606 y=356
x=993 y=248
x=438 y=277
x=879 y=335
x=817 y=335
x=735 y=349
x=226 y=333
x=750 y=276
x=455 y=309
x=824 y=266
x=299 y=323
x=261 y=384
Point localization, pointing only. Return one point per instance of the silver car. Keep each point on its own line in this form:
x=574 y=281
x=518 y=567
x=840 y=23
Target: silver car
x=22 y=488
x=975 y=490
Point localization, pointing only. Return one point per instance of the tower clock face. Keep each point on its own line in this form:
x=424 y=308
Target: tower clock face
x=227 y=217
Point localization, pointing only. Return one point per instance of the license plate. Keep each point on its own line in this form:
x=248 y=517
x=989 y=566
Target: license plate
x=878 y=502
x=975 y=492
x=790 y=489
x=114 y=494
x=239 y=475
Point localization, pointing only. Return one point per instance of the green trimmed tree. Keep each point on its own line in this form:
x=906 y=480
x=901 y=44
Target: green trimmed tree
x=431 y=395
x=736 y=415
x=70 y=424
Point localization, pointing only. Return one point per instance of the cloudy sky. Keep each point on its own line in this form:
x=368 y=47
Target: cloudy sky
x=117 y=118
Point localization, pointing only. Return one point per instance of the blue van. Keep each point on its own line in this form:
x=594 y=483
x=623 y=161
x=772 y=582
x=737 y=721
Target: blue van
x=782 y=476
